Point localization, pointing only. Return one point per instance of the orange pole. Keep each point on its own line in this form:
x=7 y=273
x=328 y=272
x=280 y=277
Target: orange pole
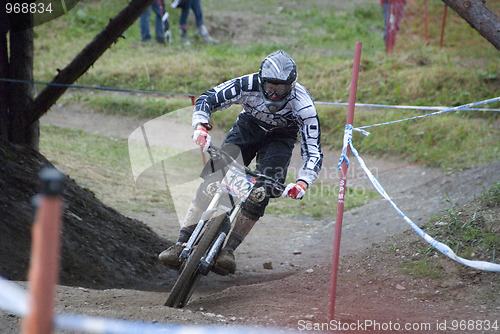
x=45 y=252
x=343 y=185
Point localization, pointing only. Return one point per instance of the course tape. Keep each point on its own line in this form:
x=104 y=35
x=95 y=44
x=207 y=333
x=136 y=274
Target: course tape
x=133 y=91
x=347 y=140
x=462 y=107
x=481 y=265
x=370 y=105
x=14 y=299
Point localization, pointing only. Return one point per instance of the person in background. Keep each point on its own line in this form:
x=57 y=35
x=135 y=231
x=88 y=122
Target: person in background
x=393 y=14
x=385 y=5
x=194 y=5
x=144 y=24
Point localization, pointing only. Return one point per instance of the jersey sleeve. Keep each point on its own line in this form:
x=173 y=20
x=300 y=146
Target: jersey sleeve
x=310 y=135
x=221 y=97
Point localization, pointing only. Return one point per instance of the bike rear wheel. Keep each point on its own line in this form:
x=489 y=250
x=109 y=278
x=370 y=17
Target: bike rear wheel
x=189 y=276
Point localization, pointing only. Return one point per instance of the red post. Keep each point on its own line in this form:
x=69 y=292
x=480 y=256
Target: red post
x=391 y=24
x=45 y=253
x=343 y=185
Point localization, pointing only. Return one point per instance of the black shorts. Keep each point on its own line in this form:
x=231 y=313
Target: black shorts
x=250 y=140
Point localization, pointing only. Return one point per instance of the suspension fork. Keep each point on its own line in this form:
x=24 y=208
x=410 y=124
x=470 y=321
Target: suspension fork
x=217 y=245
x=201 y=223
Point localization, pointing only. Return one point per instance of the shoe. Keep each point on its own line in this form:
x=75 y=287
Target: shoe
x=170 y=256
x=202 y=30
x=225 y=263
x=179 y=4
x=184 y=39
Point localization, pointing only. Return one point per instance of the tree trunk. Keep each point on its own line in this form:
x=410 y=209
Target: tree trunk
x=20 y=95
x=480 y=17
x=86 y=58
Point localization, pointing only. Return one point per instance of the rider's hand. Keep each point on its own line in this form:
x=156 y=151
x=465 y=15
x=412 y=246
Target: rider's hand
x=202 y=138
x=295 y=190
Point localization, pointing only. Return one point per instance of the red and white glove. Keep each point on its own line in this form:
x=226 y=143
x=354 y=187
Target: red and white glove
x=294 y=190
x=202 y=138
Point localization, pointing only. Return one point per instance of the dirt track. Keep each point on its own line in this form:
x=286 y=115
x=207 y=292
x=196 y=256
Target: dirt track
x=299 y=251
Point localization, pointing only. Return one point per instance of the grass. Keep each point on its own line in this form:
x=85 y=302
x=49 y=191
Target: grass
x=101 y=164
x=421 y=268
x=320 y=201
x=471 y=231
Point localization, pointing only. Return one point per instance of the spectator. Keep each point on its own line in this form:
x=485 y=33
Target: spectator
x=384 y=4
x=393 y=14
x=195 y=5
x=144 y=24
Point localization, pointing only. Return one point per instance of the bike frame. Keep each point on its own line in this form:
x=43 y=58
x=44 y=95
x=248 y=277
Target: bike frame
x=212 y=229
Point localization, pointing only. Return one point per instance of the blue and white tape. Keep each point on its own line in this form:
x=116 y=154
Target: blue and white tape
x=347 y=141
x=462 y=107
x=14 y=300
x=481 y=265
x=391 y=106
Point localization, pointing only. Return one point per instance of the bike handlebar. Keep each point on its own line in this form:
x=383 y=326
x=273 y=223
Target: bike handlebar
x=217 y=151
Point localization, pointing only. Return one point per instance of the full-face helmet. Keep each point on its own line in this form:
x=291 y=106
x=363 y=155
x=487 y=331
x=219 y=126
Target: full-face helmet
x=277 y=78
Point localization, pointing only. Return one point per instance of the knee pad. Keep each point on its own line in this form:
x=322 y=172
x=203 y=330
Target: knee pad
x=254 y=210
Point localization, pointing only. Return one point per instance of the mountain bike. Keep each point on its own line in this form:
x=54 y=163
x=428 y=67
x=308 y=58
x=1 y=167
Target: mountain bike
x=200 y=253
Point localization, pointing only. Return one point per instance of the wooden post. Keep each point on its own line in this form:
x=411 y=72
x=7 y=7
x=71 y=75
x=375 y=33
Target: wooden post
x=45 y=255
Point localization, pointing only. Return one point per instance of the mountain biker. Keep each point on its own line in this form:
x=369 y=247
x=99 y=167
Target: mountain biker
x=275 y=108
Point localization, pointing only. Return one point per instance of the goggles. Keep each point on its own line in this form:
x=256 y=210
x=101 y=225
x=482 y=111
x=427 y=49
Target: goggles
x=281 y=90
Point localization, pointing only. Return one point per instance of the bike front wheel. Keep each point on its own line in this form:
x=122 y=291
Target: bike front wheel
x=189 y=276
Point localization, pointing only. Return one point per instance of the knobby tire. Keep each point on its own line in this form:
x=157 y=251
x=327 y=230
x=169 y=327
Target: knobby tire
x=184 y=286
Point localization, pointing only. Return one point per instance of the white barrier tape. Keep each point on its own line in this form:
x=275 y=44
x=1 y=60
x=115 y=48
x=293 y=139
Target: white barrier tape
x=75 y=322
x=14 y=299
x=462 y=107
x=481 y=265
x=391 y=106
x=347 y=141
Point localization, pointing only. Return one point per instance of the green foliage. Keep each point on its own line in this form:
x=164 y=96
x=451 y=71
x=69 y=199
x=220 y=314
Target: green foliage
x=471 y=231
x=421 y=268
x=102 y=164
x=320 y=201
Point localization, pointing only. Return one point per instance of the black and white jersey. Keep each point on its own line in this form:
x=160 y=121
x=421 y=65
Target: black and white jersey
x=299 y=111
